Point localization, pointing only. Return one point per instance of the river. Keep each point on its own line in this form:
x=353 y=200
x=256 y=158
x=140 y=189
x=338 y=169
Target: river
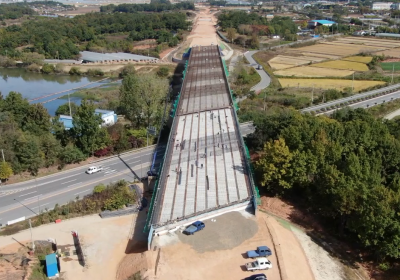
x=36 y=85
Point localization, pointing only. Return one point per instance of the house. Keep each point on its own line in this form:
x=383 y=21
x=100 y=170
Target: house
x=314 y=23
x=108 y=117
x=52 y=265
x=379 y=6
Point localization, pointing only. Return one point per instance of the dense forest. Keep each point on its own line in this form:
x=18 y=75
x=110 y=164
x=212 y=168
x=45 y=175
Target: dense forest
x=345 y=169
x=31 y=139
x=152 y=7
x=251 y=23
x=15 y=11
x=65 y=37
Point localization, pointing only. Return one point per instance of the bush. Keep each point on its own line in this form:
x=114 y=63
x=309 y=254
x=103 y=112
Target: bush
x=34 y=68
x=75 y=71
x=48 y=68
x=95 y=72
x=128 y=69
x=163 y=72
x=99 y=188
x=59 y=68
x=71 y=154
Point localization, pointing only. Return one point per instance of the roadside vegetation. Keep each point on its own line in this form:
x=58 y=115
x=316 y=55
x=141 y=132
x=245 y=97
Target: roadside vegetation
x=243 y=79
x=112 y=197
x=31 y=140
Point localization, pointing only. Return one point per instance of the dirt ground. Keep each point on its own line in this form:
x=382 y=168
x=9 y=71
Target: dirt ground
x=203 y=32
x=104 y=242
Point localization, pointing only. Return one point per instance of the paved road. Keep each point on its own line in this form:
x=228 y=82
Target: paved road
x=363 y=104
x=247 y=128
x=265 y=79
x=392 y=115
x=65 y=186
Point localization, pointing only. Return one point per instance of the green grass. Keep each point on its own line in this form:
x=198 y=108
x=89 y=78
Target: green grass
x=222 y=46
x=388 y=66
x=384 y=109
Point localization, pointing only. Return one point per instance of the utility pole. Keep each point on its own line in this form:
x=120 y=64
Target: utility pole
x=391 y=83
x=2 y=153
x=352 y=85
x=69 y=105
x=33 y=243
x=312 y=94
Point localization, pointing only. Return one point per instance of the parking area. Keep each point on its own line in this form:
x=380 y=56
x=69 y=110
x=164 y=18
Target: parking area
x=217 y=252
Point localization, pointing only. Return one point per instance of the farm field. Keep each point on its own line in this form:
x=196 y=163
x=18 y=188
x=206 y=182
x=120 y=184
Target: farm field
x=390 y=53
x=309 y=71
x=388 y=66
x=343 y=64
x=328 y=83
x=362 y=59
x=279 y=66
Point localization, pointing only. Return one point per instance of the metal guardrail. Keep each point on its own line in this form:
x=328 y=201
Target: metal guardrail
x=385 y=90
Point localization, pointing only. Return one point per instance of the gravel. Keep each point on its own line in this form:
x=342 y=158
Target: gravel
x=222 y=233
x=322 y=264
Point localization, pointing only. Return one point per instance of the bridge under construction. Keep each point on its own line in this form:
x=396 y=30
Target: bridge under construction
x=205 y=171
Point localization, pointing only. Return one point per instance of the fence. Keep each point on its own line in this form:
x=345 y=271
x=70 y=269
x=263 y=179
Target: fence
x=223 y=37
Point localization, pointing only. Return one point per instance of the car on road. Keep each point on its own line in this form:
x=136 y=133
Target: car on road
x=259 y=264
x=262 y=251
x=260 y=276
x=94 y=169
x=196 y=226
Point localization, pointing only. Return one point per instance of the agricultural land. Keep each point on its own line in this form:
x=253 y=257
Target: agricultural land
x=333 y=63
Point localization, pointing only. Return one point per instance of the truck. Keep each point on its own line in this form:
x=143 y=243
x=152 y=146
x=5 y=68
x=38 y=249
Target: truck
x=94 y=169
x=261 y=251
x=259 y=264
x=196 y=226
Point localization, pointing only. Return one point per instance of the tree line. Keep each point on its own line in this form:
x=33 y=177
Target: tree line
x=64 y=37
x=346 y=169
x=248 y=24
x=31 y=139
x=152 y=7
x=15 y=11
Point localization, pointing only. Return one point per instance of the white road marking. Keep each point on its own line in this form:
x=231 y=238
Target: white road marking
x=133 y=162
x=74 y=184
x=82 y=192
x=112 y=164
x=45 y=183
x=27 y=194
x=41 y=205
x=31 y=197
x=68 y=182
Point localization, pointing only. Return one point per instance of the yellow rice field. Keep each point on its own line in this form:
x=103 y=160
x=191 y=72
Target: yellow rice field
x=343 y=64
x=279 y=66
x=362 y=59
x=328 y=83
x=309 y=71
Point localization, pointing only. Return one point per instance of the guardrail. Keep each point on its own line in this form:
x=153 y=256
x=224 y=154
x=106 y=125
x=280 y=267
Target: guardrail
x=351 y=99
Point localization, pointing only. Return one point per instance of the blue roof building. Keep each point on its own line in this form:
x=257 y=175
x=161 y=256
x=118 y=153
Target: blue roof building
x=108 y=117
x=319 y=22
x=51 y=265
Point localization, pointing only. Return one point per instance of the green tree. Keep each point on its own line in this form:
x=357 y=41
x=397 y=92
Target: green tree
x=64 y=109
x=5 y=170
x=163 y=72
x=273 y=166
x=28 y=154
x=231 y=34
x=51 y=148
x=88 y=134
x=16 y=105
x=128 y=69
x=48 y=68
x=36 y=119
x=71 y=154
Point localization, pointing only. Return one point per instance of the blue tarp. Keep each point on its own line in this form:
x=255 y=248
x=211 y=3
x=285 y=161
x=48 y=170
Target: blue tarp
x=51 y=265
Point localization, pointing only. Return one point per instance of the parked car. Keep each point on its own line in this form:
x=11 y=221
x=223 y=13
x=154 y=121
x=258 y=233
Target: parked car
x=259 y=264
x=259 y=67
x=196 y=226
x=262 y=251
x=94 y=169
x=260 y=276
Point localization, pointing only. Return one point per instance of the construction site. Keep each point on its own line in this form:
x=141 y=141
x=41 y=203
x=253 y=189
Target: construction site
x=205 y=170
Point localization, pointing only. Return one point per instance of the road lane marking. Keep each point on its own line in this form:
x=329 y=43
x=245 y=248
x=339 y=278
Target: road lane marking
x=31 y=197
x=40 y=205
x=55 y=180
x=27 y=194
x=74 y=184
x=68 y=182
x=82 y=192
x=68 y=190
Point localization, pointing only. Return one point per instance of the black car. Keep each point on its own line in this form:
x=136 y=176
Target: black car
x=260 y=276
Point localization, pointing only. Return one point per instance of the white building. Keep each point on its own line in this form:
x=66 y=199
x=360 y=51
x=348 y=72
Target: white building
x=379 y=6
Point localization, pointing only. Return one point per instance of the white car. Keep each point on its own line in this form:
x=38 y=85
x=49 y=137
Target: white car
x=94 y=169
x=259 y=264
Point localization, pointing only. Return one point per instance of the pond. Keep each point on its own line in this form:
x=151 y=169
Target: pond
x=43 y=88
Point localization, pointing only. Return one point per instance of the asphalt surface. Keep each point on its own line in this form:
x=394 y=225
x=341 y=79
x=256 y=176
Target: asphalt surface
x=28 y=198
x=265 y=79
x=363 y=104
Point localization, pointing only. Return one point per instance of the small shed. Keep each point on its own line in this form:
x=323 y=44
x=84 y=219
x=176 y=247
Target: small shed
x=52 y=265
